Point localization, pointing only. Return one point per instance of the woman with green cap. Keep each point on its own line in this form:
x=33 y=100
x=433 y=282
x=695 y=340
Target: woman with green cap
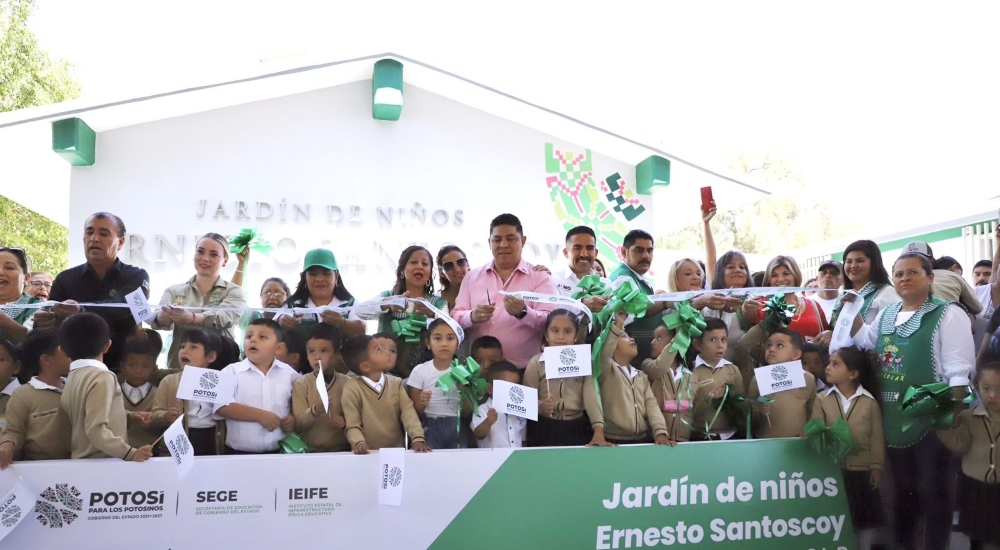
x=320 y=285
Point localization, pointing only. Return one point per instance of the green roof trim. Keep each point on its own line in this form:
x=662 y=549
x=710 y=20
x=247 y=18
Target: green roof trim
x=930 y=238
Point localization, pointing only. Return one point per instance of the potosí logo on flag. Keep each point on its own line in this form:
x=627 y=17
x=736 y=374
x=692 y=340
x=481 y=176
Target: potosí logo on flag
x=515 y=399
x=182 y=445
x=779 y=373
x=395 y=476
x=206 y=385
x=209 y=380
x=516 y=395
x=567 y=356
x=11 y=516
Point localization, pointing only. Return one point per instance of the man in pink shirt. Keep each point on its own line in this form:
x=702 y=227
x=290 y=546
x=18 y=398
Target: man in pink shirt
x=518 y=326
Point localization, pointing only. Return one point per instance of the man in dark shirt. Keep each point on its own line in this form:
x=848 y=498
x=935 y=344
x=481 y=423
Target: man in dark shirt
x=103 y=279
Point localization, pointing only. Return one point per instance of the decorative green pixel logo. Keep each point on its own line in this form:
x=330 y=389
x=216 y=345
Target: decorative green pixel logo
x=56 y=506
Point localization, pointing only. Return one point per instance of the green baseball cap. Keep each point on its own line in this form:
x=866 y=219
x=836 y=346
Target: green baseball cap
x=320 y=257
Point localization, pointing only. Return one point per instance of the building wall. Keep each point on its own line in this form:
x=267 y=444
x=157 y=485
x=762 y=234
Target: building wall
x=315 y=169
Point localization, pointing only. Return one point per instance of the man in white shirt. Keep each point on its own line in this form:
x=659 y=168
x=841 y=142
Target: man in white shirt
x=830 y=277
x=581 y=252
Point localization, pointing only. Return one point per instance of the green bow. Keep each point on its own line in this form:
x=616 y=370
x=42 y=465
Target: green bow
x=468 y=378
x=249 y=237
x=410 y=328
x=835 y=440
x=591 y=286
x=778 y=312
x=627 y=297
x=687 y=323
x=935 y=402
x=737 y=408
x=292 y=444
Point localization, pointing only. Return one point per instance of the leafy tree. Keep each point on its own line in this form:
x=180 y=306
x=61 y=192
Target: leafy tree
x=45 y=241
x=789 y=218
x=28 y=77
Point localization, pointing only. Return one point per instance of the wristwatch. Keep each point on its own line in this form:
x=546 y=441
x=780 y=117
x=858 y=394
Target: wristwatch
x=523 y=314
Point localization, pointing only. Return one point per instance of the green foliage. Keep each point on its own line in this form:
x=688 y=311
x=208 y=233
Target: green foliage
x=46 y=242
x=791 y=217
x=28 y=77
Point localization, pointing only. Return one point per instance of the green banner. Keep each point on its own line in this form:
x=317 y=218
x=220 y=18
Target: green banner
x=744 y=494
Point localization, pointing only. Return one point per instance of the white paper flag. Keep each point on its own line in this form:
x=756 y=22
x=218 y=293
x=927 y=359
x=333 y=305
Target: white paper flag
x=321 y=388
x=212 y=386
x=15 y=506
x=390 y=476
x=139 y=306
x=567 y=361
x=845 y=321
x=515 y=399
x=780 y=377
x=180 y=447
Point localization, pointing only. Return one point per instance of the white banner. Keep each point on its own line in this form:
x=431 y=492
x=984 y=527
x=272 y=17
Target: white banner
x=845 y=322
x=780 y=377
x=444 y=316
x=391 y=474
x=139 y=306
x=180 y=447
x=515 y=399
x=212 y=386
x=16 y=505
x=567 y=361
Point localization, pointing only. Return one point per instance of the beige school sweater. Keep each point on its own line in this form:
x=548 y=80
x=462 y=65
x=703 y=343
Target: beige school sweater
x=661 y=378
x=571 y=397
x=379 y=419
x=704 y=380
x=166 y=397
x=138 y=435
x=789 y=412
x=976 y=436
x=93 y=400
x=36 y=424
x=630 y=410
x=315 y=430
x=864 y=418
x=8 y=391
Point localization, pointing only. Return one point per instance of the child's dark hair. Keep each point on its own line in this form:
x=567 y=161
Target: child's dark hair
x=556 y=314
x=384 y=336
x=711 y=323
x=229 y=351
x=210 y=341
x=987 y=366
x=140 y=346
x=279 y=333
x=355 y=352
x=823 y=352
x=83 y=336
x=330 y=333
x=152 y=337
x=39 y=342
x=797 y=341
x=860 y=361
x=295 y=342
x=486 y=342
x=501 y=366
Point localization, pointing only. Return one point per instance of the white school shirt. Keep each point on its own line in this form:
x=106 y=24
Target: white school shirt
x=39 y=385
x=985 y=296
x=424 y=377
x=629 y=370
x=272 y=392
x=845 y=402
x=510 y=430
x=9 y=388
x=377 y=386
x=954 y=353
x=131 y=392
x=698 y=361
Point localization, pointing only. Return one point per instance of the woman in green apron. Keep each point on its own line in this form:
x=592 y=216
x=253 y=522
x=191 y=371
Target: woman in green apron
x=13 y=270
x=918 y=340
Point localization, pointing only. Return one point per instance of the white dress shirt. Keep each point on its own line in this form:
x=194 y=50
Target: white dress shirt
x=135 y=395
x=271 y=392
x=509 y=430
x=10 y=387
x=845 y=402
x=377 y=386
x=39 y=385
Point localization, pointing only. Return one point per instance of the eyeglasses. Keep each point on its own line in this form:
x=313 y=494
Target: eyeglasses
x=450 y=266
x=278 y=294
x=20 y=253
x=41 y=284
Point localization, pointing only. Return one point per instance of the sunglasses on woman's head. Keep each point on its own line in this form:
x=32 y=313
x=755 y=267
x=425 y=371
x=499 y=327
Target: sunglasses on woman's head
x=450 y=266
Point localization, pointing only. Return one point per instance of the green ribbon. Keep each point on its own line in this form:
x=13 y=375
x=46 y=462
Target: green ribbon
x=249 y=238
x=779 y=313
x=687 y=323
x=410 y=328
x=736 y=406
x=935 y=402
x=292 y=444
x=467 y=376
x=591 y=286
x=835 y=440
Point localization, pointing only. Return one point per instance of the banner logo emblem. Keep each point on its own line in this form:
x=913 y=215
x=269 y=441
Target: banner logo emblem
x=57 y=505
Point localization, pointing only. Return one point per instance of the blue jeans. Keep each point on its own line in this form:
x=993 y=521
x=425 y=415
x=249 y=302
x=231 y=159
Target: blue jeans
x=441 y=432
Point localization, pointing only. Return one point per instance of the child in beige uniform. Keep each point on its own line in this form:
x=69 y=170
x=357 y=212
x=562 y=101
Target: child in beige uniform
x=671 y=383
x=631 y=413
x=376 y=408
x=791 y=409
x=92 y=396
x=711 y=375
x=9 y=367
x=37 y=427
x=571 y=414
x=138 y=366
x=322 y=431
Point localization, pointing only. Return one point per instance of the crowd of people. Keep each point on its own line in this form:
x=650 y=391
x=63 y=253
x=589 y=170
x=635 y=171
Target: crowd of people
x=80 y=378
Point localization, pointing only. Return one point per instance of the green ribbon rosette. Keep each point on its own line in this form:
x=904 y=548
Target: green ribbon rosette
x=249 y=238
x=835 y=440
x=467 y=376
x=687 y=323
x=737 y=408
x=410 y=328
x=778 y=312
x=292 y=444
x=627 y=297
x=591 y=286
x=931 y=401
